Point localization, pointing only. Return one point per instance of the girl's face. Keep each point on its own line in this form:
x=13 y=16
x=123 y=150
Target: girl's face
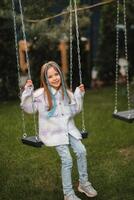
x=54 y=78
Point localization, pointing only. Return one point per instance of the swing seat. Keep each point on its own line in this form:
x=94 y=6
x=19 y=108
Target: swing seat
x=32 y=141
x=84 y=134
x=127 y=116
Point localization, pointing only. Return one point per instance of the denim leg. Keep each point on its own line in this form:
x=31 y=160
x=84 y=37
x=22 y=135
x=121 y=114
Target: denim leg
x=80 y=151
x=66 y=168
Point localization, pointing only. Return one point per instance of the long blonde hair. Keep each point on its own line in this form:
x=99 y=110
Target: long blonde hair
x=44 y=82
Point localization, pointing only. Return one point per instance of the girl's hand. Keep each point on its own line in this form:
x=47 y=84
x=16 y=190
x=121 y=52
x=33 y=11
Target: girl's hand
x=81 y=87
x=29 y=83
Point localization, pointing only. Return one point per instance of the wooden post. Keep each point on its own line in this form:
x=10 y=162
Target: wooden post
x=63 y=47
x=87 y=46
x=23 y=45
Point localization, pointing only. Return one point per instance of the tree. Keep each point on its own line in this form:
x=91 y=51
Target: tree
x=8 y=70
x=44 y=37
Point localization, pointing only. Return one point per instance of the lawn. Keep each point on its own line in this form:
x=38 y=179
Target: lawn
x=28 y=173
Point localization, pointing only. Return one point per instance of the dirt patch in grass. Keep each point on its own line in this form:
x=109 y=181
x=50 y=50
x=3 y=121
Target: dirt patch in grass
x=127 y=153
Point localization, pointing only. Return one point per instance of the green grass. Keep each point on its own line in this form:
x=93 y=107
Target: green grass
x=28 y=173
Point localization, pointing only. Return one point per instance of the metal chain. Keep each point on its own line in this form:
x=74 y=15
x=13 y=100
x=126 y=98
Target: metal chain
x=18 y=65
x=79 y=59
x=117 y=58
x=27 y=59
x=24 y=38
x=78 y=43
x=71 y=48
x=126 y=53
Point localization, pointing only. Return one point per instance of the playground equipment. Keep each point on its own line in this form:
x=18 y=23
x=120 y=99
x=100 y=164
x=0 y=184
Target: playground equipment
x=127 y=115
x=34 y=140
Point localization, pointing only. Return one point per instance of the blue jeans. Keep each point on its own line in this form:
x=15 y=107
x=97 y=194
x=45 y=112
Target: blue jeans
x=66 y=159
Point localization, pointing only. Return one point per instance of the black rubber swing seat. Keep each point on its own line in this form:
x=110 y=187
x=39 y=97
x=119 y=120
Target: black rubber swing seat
x=84 y=134
x=127 y=116
x=32 y=141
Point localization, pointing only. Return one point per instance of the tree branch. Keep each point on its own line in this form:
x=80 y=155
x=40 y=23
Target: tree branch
x=67 y=12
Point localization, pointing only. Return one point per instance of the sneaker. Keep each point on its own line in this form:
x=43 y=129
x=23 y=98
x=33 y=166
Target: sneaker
x=87 y=189
x=71 y=197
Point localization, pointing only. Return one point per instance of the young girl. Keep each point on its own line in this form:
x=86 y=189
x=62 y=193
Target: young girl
x=56 y=108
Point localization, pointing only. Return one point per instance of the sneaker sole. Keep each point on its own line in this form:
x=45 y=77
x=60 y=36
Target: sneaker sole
x=89 y=195
x=65 y=198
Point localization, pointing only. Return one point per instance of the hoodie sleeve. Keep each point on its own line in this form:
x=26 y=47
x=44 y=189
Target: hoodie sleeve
x=77 y=101
x=28 y=100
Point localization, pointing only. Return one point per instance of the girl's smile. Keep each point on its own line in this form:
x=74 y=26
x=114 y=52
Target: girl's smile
x=54 y=78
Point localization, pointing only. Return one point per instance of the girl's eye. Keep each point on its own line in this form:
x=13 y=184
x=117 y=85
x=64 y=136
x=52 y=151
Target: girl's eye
x=56 y=74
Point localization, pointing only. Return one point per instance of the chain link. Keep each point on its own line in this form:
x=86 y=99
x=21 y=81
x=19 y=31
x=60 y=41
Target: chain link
x=79 y=60
x=27 y=61
x=24 y=38
x=117 y=56
x=78 y=42
x=126 y=53
x=71 y=48
x=18 y=65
